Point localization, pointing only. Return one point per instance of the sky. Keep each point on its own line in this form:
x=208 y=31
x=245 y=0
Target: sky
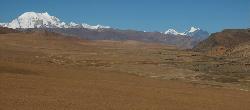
x=144 y=15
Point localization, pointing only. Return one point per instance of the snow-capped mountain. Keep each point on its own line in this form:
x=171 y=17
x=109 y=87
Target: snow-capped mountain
x=31 y=21
x=197 y=33
x=192 y=32
x=173 y=32
x=44 y=20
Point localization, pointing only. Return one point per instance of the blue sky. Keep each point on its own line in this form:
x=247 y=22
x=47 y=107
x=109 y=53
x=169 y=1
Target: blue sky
x=149 y=15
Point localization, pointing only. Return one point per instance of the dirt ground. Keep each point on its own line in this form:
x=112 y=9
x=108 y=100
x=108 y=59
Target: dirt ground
x=39 y=72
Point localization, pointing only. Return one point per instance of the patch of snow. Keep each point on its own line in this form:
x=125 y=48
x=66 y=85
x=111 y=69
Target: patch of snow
x=72 y=24
x=193 y=29
x=173 y=32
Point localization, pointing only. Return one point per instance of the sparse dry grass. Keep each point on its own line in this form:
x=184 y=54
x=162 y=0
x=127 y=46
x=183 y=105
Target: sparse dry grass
x=40 y=71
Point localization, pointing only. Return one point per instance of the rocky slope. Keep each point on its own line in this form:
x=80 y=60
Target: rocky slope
x=224 y=42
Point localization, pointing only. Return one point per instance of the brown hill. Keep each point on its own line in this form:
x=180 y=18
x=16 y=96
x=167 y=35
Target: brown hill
x=222 y=42
x=4 y=30
x=240 y=51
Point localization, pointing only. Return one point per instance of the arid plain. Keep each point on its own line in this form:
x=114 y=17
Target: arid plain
x=41 y=70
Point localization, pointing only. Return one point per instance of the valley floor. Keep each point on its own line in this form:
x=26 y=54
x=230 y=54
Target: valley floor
x=43 y=72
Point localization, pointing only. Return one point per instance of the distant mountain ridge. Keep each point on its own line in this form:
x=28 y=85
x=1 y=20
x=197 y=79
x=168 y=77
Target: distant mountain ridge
x=44 y=20
x=32 y=21
x=197 y=33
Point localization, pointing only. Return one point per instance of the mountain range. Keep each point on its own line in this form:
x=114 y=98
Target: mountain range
x=44 y=20
x=193 y=32
x=32 y=21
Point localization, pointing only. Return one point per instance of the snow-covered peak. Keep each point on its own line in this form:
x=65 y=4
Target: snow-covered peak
x=193 y=29
x=44 y=20
x=73 y=24
x=173 y=32
x=35 y=20
x=28 y=15
x=197 y=33
x=192 y=32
